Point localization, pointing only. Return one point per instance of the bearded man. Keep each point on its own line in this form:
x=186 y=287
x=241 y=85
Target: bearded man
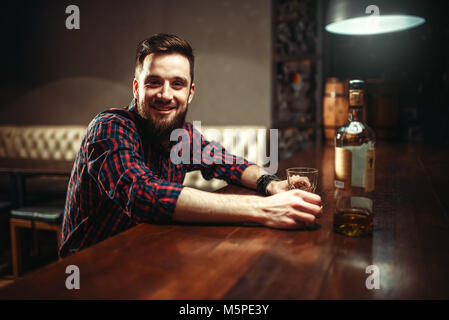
x=123 y=174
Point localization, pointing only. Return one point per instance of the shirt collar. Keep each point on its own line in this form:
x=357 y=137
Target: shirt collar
x=133 y=106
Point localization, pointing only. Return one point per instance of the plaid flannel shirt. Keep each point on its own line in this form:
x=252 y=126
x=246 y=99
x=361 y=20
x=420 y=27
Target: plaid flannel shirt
x=117 y=181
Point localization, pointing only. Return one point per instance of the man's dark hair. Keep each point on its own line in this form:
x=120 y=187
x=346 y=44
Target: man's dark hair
x=163 y=43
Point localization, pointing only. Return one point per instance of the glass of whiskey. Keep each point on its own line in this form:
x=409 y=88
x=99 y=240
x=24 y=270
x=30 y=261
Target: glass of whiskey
x=306 y=179
x=302 y=178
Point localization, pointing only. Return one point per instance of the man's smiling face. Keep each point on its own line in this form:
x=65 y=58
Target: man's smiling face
x=163 y=91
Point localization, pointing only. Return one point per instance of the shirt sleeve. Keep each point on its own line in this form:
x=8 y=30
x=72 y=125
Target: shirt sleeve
x=214 y=161
x=117 y=165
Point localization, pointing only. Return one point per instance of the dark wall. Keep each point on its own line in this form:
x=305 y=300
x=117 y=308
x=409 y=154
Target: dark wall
x=416 y=60
x=52 y=75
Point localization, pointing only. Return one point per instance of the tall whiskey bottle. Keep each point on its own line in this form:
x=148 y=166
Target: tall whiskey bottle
x=354 y=169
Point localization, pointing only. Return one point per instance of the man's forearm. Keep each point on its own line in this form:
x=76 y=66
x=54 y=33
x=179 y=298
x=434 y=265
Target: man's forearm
x=284 y=209
x=250 y=176
x=252 y=173
x=200 y=206
x=291 y=209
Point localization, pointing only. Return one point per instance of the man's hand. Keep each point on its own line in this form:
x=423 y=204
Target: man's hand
x=291 y=209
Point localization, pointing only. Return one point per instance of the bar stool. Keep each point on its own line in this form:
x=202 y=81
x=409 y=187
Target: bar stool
x=46 y=216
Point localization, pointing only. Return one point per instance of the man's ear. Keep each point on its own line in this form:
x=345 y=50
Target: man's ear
x=136 y=89
x=192 y=92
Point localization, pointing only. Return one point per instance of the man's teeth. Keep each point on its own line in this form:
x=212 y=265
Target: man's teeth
x=162 y=108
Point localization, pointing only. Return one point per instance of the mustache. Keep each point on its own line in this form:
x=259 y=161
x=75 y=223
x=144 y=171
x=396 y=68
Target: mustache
x=161 y=103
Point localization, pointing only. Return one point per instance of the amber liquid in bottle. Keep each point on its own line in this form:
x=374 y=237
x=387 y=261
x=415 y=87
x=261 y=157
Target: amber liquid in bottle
x=353 y=222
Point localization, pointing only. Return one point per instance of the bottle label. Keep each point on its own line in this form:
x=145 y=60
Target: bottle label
x=339 y=184
x=343 y=163
x=355 y=166
x=358 y=165
x=356 y=98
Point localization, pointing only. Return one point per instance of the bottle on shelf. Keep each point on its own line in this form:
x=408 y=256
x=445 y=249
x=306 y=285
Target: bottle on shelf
x=354 y=169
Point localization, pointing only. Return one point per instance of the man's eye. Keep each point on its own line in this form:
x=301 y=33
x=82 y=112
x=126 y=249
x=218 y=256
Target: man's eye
x=153 y=83
x=178 y=84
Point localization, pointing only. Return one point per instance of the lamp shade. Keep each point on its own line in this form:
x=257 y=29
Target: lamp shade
x=360 y=17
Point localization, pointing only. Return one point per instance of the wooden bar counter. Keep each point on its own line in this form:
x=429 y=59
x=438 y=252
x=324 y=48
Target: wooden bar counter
x=409 y=246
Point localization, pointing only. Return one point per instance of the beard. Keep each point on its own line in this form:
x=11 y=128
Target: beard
x=159 y=130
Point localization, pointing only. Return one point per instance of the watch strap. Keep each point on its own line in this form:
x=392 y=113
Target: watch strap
x=263 y=182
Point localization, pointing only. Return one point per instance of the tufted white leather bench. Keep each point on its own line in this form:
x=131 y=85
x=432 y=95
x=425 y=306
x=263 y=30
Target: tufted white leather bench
x=40 y=142
x=249 y=142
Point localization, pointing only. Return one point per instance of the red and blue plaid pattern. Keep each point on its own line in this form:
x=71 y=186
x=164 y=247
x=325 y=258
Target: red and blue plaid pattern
x=117 y=181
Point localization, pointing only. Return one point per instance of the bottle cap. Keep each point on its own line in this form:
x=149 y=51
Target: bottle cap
x=356 y=84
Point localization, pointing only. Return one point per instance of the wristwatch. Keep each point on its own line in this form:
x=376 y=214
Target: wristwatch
x=263 y=182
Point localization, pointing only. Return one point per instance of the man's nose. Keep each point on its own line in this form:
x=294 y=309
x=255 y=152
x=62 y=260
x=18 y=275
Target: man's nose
x=165 y=93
